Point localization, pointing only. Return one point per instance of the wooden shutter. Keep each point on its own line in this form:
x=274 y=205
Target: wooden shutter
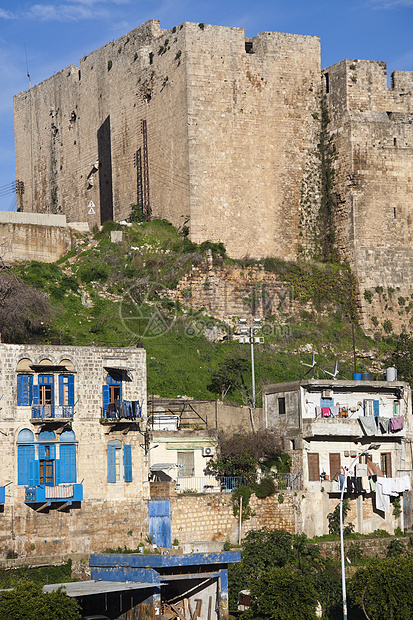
x=24 y=390
x=313 y=467
x=335 y=464
x=127 y=462
x=385 y=464
x=25 y=454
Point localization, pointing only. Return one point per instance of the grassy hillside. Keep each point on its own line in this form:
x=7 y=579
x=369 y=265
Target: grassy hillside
x=104 y=293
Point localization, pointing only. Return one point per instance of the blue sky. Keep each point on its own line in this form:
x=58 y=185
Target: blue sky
x=57 y=34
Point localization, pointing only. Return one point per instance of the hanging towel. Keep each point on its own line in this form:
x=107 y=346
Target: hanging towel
x=368 y=424
x=318 y=412
x=372 y=484
x=365 y=483
x=396 y=424
x=373 y=469
x=334 y=412
x=382 y=501
x=326 y=412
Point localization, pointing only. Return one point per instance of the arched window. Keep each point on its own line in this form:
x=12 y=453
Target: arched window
x=56 y=460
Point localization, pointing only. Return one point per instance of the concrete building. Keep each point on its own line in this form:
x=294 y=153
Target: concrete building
x=71 y=426
x=325 y=424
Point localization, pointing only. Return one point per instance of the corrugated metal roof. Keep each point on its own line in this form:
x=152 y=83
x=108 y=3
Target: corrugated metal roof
x=88 y=588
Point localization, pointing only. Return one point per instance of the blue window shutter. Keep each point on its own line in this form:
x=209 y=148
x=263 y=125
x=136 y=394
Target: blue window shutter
x=111 y=463
x=25 y=455
x=71 y=381
x=34 y=472
x=61 y=390
x=68 y=463
x=106 y=396
x=58 y=471
x=376 y=405
x=24 y=390
x=127 y=462
x=36 y=395
x=41 y=452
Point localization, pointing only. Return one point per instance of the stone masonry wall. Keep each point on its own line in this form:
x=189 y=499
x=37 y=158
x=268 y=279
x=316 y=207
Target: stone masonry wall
x=211 y=517
x=229 y=133
x=372 y=126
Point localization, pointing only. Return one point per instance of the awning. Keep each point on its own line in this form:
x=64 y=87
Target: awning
x=46 y=368
x=164 y=466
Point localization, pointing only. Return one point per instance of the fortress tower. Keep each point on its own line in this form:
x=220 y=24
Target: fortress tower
x=229 y=129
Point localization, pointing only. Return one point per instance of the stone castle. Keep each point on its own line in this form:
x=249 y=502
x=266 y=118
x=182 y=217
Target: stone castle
x=221 y=133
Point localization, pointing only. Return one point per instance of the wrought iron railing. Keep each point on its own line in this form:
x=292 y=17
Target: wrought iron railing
x=228 y=484
x=46 y=412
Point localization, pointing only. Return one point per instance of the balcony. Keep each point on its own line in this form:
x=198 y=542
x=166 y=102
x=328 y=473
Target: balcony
x=121 y=412
x=224 y=484
x=52 y=413
x=43 y=494
x=345 y=427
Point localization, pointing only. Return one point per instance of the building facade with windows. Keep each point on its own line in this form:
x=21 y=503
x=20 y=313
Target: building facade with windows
x=325 y=425
x=73 y=448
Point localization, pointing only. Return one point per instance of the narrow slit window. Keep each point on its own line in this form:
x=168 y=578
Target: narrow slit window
x=327 y=82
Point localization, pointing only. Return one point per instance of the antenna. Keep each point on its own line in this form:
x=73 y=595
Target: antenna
x=27 y=67
x=333 y=374
x=310 y=366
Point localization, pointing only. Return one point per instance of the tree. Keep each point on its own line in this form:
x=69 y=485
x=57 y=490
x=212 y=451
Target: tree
x=283 y=593
x=402 y=357
x=28 y=602
x=228 y=376
x=24 y=311
x=383 y=589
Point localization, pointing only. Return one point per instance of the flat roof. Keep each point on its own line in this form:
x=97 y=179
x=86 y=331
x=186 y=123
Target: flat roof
x=346 y=385
x=88 y=588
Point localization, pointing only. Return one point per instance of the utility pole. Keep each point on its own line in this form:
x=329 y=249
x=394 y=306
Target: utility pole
x=248 y=335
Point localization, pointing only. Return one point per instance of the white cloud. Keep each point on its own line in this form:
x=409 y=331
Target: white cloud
x=7 y=14
x=66 y=12
x=391 y=4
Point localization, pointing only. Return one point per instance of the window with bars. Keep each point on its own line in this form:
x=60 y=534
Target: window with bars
x=313 y=467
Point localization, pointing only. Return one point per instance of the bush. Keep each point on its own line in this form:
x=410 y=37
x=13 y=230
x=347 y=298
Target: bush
x=93 y=273
x=265 y=487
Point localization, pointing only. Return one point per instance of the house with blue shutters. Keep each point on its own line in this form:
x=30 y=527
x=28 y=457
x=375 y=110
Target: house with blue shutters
x=73 y=446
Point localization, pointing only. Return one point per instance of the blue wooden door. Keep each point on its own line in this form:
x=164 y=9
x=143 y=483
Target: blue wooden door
x=160 y=522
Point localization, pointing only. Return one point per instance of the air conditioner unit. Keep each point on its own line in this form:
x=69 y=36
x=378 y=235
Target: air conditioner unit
x=327 y=394
x=208 y=451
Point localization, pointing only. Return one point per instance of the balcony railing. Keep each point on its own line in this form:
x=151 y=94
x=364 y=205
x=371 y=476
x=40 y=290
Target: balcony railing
x=42 y=493
x=125 y=410
x=2 y=495
x=228 y=484
x=52 y=412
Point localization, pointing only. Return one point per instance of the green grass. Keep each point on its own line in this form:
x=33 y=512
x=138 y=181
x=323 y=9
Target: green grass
x=107 y=294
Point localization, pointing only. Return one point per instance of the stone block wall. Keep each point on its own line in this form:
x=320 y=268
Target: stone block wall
x=372 y=128
x=211 y=518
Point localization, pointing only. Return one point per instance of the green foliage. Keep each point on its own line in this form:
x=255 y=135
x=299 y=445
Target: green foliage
x=245 y=493
x=28 y=602
x=402 y=357
x=136 y=213
x=397 y=509
x=355 y=553
x=387 y=326
x=41 y=575
x=110 y=64
x=334 y=519
x=265 y=487
x=383 y=589
x=232 y=464
x=368 y=295
x=228 y=376
x=93 y=273
x=395 y=548
x=242 y=454
x=280 y=498
x=283 y=594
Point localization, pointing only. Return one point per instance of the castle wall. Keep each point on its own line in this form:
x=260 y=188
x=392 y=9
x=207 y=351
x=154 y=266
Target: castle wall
x=229 y=133
x=372 y=126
